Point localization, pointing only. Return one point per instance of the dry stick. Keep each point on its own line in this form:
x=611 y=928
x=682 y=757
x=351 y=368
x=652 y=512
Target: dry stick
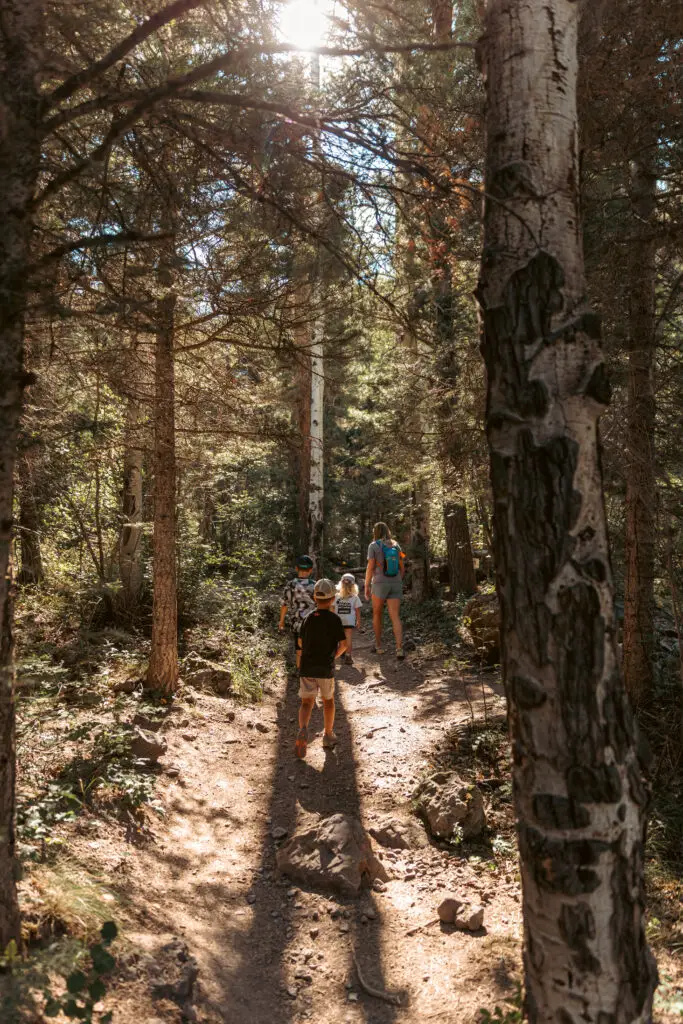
x=427 y=924
x=377 y=993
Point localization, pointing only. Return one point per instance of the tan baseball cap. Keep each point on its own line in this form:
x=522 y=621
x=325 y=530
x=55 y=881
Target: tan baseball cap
x=324 y=589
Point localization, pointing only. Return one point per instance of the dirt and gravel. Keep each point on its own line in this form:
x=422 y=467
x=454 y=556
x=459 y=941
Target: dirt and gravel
x=211 y=933
x=268 y=950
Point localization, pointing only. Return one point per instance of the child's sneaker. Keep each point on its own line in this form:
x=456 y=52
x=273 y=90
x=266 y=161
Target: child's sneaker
x=301 y=742
x=347 y=659
x=377 y=650
x=329 y=741
x=400 y=654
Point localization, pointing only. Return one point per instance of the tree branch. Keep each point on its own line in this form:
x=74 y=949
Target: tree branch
x=93 y=242
x=137 y=36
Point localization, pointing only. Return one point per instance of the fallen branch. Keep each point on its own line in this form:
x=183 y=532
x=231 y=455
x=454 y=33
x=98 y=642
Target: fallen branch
x=394 y=998
x=427 y=924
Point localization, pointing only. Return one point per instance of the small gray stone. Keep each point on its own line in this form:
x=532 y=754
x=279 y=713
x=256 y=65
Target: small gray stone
x=278 y=832
x=147 y=745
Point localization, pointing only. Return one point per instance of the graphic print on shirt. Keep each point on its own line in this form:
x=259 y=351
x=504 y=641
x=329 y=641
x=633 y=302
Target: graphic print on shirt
x=298 y=596
x=345 y=607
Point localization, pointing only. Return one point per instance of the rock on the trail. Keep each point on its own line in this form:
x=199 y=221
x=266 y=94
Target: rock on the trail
x=207 y=675
x=469 y=919
x=147 y=745
x=446 y=804
x=481 y=621
x=126 y=686
x=448 y=909
x=465 y=918
x=334 y=854
x=147 y=723
x=392 y=835
x=278 y=832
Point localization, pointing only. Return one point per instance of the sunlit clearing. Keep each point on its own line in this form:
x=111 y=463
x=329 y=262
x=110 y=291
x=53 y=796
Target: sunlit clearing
x=303 y=23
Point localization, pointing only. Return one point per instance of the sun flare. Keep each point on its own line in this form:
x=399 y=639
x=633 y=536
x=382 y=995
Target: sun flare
x=303 y=23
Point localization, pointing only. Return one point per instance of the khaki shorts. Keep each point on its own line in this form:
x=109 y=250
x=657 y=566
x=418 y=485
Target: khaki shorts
x=309 y=686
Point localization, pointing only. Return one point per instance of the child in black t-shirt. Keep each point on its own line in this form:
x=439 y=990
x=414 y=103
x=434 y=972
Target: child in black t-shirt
x=322 y=640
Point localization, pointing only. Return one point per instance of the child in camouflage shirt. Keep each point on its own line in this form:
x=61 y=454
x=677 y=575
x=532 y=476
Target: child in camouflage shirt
x=297 y=599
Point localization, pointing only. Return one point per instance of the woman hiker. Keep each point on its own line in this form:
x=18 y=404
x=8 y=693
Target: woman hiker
x=384 y=581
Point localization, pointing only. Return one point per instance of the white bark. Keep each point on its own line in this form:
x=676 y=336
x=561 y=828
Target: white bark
x=579 y=795
x=316 y=490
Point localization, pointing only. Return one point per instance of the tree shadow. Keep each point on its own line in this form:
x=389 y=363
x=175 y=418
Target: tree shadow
x=260 y=984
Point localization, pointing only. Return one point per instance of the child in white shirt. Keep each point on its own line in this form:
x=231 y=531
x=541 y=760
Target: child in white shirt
x=347 y=605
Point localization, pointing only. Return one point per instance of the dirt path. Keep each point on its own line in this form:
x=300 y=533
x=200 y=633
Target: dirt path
x=268 y=951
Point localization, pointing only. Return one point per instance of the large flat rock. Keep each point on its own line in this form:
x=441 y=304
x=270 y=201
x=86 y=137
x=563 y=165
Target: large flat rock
x=336 y=854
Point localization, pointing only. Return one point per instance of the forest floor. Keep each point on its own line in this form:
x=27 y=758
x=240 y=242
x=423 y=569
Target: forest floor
x=197 y=884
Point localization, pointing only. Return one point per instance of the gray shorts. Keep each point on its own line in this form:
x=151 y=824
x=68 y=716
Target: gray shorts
x=388 y=587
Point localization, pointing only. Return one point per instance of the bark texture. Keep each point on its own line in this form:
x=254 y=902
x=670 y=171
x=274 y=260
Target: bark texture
x=31 y=570
x=460 y=561
x=640 y=454
x=316 y=489
x=162 y=673
x=579 y=793
x=21 y=36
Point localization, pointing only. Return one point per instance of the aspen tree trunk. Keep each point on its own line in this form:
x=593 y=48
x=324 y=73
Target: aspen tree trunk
x=316 y=489
x=21 y=61
x=579 y=794
x=162 y=673
x=459 y=548
x=302 y=342
x=130 y=542
x=640 y=455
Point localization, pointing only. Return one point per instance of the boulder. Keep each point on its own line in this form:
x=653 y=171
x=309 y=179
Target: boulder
x=448 y=806
x=147 y=745
x=481 y=626
x=207 y=675
x=335 y=854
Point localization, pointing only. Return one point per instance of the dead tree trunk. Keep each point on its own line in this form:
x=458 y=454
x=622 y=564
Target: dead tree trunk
x=579 y=794
x=640 y=455
x=21 y=62
x=459 y=548
x=162 y=673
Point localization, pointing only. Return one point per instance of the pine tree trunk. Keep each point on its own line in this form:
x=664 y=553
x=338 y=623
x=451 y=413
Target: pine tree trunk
x=579 y=795
x=21 y=62
x=130 y=543
x=162 y=673
x=421 y=583
x=640 y=454
x=459 y=548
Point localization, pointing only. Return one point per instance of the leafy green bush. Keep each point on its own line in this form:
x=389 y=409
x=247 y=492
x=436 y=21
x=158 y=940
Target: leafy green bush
x=85 y=988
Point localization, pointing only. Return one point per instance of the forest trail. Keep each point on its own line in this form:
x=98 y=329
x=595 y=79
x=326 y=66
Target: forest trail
x=268 y=950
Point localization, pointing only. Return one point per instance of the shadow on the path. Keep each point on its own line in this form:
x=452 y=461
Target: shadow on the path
x=259 y=986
